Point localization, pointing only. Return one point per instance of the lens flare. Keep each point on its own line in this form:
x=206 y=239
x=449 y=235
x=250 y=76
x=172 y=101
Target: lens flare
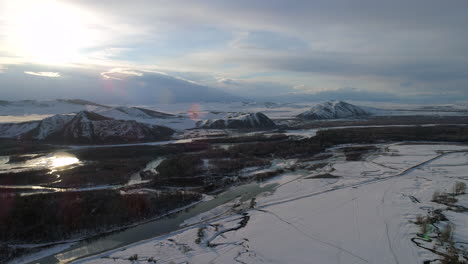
x=194 y=112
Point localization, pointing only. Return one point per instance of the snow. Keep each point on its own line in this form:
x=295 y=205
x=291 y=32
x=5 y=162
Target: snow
x=185 y=116
x=32 y=107
x=21 y=118
x=352 y=220
x=189 y=113
x=334 y=110
x=90 y=126
x=238 y=120
x=14 y=130
x=51 y=124
x=220 y=210
x=151 y=167
x=43 y=253
x=130 y=113
x=460 y=221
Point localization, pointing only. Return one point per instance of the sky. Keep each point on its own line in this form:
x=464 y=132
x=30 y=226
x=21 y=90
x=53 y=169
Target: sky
x=165 y=51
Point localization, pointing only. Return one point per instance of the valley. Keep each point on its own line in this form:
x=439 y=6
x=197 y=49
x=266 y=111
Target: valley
x=206 y=190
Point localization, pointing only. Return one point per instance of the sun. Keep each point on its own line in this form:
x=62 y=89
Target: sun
x=48 y=32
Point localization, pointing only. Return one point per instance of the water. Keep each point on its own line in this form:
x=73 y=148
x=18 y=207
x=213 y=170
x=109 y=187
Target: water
x=54 y=162
x=152 y=229
x=4 y=159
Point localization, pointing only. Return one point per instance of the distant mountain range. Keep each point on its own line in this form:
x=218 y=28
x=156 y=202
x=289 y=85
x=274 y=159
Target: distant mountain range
x=239 y=121
x=85 y=122
x=334 y=110
x=121 y=112
x=52 y=107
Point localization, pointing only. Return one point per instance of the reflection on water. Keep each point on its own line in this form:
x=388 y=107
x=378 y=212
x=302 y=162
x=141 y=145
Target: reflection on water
x=4 y=160
x=63 y=161
x=54 y=162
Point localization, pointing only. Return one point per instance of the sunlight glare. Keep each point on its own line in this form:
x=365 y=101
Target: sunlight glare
x=63 y=161
x=48 y=31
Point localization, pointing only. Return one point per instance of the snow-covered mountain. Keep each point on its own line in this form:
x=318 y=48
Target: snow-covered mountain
x=126 y=113
x=53 y=107
x=16 y=116
x=334 y=110
x=14 y=130
x=147 y=116
x=49 y=126
x=92 y=128
x=239 y=121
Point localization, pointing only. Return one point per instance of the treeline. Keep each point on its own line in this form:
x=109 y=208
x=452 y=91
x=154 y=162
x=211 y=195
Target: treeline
x=245 y=139
x=383 y=121
x=381 y=134
x=13 y=147
x=27 y=177
x=188 y=170
x=58 y=216
x=205 y=167
x=116 y=165
x=356 y=153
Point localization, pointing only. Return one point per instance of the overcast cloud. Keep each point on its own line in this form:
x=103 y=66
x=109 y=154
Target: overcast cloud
x=392 y=49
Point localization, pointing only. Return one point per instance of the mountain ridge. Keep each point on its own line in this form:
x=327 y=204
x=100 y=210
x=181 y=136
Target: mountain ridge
x=333 y=110
x=239 y=121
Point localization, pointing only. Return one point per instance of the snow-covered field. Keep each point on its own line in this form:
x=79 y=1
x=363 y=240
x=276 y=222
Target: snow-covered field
x=366 y=216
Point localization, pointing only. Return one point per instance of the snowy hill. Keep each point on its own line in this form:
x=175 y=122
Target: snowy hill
x=32 y=110
x=239 y=121
x=147 y=116
x=92 y=128
x=49 y=126
x=14 y=130
x=127 y=113
x=334 y=110
x=28 y=107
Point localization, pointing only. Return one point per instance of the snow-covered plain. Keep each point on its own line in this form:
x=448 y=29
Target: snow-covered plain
x=366 y=216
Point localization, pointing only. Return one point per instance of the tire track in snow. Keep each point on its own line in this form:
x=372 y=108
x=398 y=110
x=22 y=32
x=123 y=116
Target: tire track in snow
x=366 y=182
x=362 y=183
x=312 y=237
x=389 y=242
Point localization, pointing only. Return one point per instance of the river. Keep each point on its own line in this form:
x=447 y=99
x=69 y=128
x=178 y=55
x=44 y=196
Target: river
x=151 y=229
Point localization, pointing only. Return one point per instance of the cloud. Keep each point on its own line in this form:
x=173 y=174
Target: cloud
x=228 y=81
x=121 y=86
x=271 y=48
x=351 y=94
x=266 y=40
x=119 y=74
x=250 y=88
x=44 y=74
x=299 y=87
